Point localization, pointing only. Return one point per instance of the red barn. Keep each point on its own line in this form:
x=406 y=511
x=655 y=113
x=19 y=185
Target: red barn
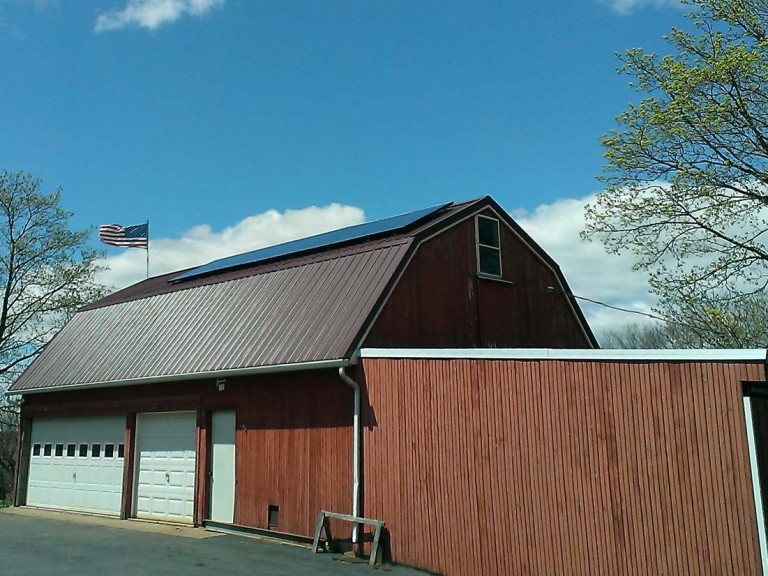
x=231 y=392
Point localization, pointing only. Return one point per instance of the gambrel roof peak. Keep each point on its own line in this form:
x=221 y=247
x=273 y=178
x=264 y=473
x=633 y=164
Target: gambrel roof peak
x=301 y=304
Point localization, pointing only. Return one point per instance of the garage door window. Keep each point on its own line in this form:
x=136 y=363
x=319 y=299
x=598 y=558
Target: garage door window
x=67 y=467
x=109 y=451
x=121 y=450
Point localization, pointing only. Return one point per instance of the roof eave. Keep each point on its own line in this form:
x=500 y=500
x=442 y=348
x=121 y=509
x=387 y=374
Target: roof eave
x=230 y=373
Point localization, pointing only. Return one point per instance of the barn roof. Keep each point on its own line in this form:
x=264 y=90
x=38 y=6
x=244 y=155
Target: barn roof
x=302 y=308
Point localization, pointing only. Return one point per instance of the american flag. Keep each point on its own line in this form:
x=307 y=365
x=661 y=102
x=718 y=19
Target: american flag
x=125 y=236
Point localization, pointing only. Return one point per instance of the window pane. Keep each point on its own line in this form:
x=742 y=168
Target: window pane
x=120 y=450
x=59 y=449
x=48 y=449
x=83 y=450
x=490 y=261
x=109 y=450
x=96 y=450
x=36 y=450
x=71 y=450
x=488 y=231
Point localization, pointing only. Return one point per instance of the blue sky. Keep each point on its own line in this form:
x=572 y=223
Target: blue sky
x=198 y=114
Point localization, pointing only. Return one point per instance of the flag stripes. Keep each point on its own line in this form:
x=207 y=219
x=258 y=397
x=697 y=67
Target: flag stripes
x=125 y=236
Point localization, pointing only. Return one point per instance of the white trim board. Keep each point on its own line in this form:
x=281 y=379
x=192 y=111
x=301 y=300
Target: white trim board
x=736 y=355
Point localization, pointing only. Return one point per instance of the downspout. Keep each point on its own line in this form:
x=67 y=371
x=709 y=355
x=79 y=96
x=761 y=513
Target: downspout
x=355 y=450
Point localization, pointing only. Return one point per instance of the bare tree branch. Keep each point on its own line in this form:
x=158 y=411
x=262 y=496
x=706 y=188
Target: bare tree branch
x=46 y=273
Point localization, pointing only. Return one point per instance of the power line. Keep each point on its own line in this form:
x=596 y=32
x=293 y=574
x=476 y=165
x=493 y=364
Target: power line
x=638 y=312
x=620 y=309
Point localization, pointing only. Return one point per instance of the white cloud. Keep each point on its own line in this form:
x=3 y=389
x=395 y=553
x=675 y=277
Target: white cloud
x=201 y=244
x=151 y=14
x=589 y=270
x=627 y=6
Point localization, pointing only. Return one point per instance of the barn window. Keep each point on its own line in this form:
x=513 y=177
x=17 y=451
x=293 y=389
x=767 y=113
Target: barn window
x=488 y=246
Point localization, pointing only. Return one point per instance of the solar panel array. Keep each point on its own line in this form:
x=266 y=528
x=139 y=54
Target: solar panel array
x=311 y=243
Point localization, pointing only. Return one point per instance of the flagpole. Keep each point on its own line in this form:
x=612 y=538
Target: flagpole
x=147 y=248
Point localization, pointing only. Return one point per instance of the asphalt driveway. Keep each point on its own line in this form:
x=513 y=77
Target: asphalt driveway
x=43 y=543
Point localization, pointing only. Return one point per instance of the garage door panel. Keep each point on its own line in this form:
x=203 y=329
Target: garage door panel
x=165 y=483
x=180 y=480
x=64 y=477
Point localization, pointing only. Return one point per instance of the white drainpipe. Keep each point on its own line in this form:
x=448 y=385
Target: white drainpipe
x=355 y=450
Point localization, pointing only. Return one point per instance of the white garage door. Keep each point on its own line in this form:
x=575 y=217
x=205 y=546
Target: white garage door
x=77 y=464
x=165 y=461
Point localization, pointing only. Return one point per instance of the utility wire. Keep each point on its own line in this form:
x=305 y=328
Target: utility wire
x=638 y=312
x=620 y=309
x=627 y=310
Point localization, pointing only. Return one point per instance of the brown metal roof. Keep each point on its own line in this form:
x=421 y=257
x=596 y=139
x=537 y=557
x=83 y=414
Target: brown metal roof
x=162 y=284
x=301 y=308
x=309 y=312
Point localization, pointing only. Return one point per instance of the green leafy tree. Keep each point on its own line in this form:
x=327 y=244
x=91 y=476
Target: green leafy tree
x=741 y=323
x=687 y=168
x=46 y=273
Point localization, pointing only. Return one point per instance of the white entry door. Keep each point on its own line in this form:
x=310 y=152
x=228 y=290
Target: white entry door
x=223 y=466
x=77 y=464
x=165 y=465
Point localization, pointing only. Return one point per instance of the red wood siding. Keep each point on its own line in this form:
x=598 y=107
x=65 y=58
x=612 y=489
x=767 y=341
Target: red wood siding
x=203 y=465
x=21 y=473
x=294 y=450
x=293 y=440
x=440 y=302
x=553 y=467
x=126 y=506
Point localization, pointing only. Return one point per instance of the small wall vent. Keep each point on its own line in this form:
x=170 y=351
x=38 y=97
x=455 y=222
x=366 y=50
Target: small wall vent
x=273 y=516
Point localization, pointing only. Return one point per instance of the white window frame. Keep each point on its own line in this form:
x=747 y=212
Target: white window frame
x=478 y=245
x=762 y=537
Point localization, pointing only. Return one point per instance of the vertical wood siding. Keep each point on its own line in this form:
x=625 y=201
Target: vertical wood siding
x=553 y=467
x=129 y=461
x=21 y=473
x=294 y=450
x=202 y=466
x=440 y=301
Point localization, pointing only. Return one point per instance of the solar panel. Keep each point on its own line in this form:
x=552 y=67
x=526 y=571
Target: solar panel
x=327 y=239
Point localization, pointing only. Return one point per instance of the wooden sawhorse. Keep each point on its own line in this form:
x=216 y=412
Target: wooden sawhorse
x=322 y=523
